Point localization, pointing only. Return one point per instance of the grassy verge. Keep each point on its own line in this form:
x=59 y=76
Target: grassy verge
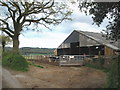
x=102 y=69
x=98 y=67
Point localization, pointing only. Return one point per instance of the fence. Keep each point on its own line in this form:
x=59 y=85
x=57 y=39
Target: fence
x=71 y=60
x=46 y=59
x=64 y=60
x=101 y=61
x=34 y=57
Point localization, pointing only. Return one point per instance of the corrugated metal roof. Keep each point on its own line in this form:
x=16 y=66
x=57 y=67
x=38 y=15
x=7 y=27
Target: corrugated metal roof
x=100 y=39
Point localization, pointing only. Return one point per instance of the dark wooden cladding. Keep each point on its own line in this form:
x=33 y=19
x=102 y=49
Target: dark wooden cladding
x=63 y=51
x=74 y=48
x=96 y=50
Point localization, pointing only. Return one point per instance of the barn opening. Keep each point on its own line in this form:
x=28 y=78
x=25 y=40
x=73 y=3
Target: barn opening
x=84 y=50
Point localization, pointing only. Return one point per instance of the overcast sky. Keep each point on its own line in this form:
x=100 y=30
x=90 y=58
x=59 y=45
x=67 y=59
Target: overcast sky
x=52 y=39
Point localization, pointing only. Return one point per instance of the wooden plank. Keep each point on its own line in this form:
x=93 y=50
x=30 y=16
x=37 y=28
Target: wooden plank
x=108 y=51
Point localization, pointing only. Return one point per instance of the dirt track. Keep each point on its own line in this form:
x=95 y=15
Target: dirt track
x=61 y=77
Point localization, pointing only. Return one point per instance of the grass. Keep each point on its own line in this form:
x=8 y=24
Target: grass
x=35 y=65
x=98 y=67
x=14 y=61
x=113 y=74
x=102 y=69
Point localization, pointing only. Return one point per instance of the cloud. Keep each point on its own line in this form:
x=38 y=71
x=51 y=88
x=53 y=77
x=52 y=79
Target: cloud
x=80 y=21
x=50 y=40
x=86 y=27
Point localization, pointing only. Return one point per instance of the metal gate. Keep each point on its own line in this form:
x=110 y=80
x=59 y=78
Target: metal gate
x=71 y=60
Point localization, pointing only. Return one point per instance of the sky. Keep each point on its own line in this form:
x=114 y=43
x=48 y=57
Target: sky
x=53 y=38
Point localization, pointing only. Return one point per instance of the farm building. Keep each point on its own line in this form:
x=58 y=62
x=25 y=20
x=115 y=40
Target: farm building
x=87 y=43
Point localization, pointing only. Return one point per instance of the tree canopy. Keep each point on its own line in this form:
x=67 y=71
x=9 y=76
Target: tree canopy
x=101 y=11
x=21 y=15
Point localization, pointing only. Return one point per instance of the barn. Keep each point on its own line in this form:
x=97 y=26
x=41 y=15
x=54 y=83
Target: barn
x=87 y=43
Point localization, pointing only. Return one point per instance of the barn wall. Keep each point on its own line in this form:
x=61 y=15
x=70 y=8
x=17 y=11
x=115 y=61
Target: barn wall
x=63 y=51
x=73 y=37
x=108 y=51
x=64 y=45
x=85 y=41
x=55 y=52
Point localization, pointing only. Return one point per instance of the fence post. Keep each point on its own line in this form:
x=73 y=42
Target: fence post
x=59 y=61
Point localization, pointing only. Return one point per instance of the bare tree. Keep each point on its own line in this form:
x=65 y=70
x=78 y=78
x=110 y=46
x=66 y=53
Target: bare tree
x=18 y=16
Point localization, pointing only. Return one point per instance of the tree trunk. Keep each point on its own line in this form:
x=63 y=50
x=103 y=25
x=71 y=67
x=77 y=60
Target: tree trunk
x=18 y=28
x=3 y=45
x=16 y=44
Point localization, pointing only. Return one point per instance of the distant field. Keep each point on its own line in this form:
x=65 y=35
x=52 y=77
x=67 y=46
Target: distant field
x=34 y=51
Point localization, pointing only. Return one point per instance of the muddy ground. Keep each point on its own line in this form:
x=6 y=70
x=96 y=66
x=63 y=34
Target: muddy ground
x=60 y=77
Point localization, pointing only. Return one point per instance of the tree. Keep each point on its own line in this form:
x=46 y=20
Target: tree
x=110 y=11
x=104 y=10
x=20 y=15
x=4 y=40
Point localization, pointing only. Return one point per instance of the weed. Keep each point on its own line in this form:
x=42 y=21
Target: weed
x=36 y=65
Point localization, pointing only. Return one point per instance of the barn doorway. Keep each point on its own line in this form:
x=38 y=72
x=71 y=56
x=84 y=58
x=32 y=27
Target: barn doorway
x=74 y=48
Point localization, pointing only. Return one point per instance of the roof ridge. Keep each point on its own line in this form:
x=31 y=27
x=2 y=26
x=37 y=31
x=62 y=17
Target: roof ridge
x=88 y=31
x=97 y=39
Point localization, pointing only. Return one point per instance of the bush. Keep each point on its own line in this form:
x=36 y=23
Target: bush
x=114 y=74
x=14 y=61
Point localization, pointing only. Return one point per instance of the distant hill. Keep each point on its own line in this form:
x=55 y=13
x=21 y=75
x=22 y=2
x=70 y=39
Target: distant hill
x=32 y=50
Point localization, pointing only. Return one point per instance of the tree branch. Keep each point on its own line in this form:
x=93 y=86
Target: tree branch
x=7 y=26
x=11 y=11
x=35 y=21
x=19 y=10
x=8 y=33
